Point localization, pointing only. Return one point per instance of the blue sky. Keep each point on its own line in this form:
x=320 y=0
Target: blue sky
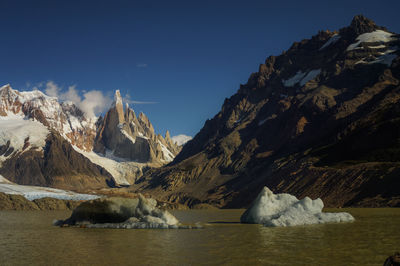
x=187 y=56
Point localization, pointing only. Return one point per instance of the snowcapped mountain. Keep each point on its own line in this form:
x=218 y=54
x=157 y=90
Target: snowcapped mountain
x=65 y=118
x=42 y=142
x=319 y=120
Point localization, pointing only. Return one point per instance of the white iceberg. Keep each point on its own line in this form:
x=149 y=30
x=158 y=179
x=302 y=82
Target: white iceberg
x=284 y=209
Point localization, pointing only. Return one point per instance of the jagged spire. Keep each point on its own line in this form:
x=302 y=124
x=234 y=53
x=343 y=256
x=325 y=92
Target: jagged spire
x=167 y=135
x=117 y=104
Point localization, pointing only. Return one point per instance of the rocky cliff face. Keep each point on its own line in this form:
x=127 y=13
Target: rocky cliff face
x=320 y=120
x=124 y=135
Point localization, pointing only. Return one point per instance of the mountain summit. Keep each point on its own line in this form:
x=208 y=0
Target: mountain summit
x=126 y=136
x=319 y=120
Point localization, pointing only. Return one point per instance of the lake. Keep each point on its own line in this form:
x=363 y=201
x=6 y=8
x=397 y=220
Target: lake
x=29 y=238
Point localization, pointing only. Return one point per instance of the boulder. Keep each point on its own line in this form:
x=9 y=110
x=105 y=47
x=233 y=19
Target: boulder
x=121 y=213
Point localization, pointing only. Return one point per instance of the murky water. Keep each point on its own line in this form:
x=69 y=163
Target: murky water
x=29 y=238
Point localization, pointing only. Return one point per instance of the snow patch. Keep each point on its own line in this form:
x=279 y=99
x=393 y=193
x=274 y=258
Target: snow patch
x=384 y=59
x=284 y=209
x=310 y=76
x=301 y=78
x=128 y=136
x=378 y=36
x=169 y=157
x=15 y=129
x=331 y=41
x=294 y=80
x=262 y=122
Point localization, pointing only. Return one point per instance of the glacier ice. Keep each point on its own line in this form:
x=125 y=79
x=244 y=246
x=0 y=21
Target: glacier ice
x=273 y=210
x=35 y=192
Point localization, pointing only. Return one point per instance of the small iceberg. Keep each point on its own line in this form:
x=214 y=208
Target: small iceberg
x=121 y=213
x=284 y=209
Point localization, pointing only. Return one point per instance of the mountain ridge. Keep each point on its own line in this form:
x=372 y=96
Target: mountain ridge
x=333 y=88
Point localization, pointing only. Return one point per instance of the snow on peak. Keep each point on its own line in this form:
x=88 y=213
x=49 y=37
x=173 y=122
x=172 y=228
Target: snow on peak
x=117 y=97
x=181 y=139
x=66 y=118
x=21 y=132
x=284 y=209
x=331 y=41
x=378 y=36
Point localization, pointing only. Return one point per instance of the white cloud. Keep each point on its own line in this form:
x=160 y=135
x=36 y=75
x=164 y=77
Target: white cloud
x=141 y=65
x=94 y=102
x=51 y=89
x=127 y=99
x=71 y=95
x=181 y=139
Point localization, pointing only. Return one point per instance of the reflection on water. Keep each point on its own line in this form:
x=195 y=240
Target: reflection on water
x=27 y=237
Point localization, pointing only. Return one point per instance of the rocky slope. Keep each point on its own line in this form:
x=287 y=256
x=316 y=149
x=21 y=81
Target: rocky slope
x=320 y=120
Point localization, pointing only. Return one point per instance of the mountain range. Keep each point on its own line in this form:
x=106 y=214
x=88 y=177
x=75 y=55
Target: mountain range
x=45 y=142
x=320 y=120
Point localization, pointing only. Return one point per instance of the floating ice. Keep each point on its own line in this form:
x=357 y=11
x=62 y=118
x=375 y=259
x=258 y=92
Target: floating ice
x=272 y=210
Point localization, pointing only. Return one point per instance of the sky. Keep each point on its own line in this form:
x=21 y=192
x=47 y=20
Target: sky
x=176 y=61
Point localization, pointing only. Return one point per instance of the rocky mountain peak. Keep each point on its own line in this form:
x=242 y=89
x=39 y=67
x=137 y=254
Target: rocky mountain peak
x=361 y=24
x=131 y=137
x=167 y=135
x=117 y=104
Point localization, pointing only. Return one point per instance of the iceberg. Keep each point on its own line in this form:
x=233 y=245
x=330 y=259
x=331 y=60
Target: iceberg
x=284 y=209
x=138 y=213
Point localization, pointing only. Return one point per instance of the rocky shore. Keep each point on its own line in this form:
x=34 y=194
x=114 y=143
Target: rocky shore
x=20 y=203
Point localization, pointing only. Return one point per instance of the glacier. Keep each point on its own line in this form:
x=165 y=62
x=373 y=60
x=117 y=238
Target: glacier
x=274 y=210
x=35 y=192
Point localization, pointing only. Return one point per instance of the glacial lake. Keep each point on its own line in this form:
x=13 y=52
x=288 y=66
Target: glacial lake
x=28 y=238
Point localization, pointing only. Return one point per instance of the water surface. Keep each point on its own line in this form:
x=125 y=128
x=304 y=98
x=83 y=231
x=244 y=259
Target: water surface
x=28 y=237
